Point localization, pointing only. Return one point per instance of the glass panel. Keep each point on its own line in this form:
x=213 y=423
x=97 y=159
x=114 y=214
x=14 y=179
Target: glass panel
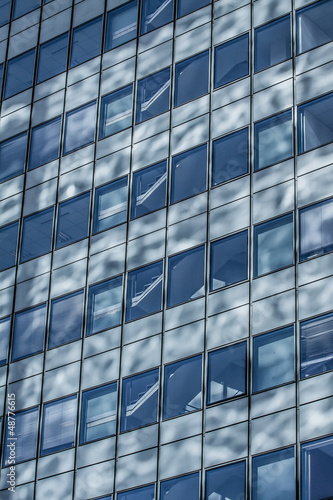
x=145 y=493
x=189 y=174
x=110 y=205
x=155 y=13
x=121 y=25
x=272 y=43
x=316 y=345
x=181 y=488
x=317 y=464
x=37 y=235
x=226 y=373
x=98 y=413
x=139 y=400
x=25 y=434
x=104 y=305
x=230 y=156
x=191 y=78
x=1 y=65
x=231 y=61
x=24 y=6
x=182 y=387
x=73 y=220
x=116 y=112
x=314 y=25
x=66 y=319
x=4 y=339
x=8 y=245
x=187 y=6
x=52 y=58
x=12 y=156
x=153 y=95
x=186 y=276
x=45 y=143
x=315 y=123
x=274 y=476
x=59 y=424
x=228 y=260
x=149 y=189
x=20 y=73
x=144 y=291
x=273 y=359
x=87 y=41
x=29 y=331
x=4 y=11
x=316 y=230
x=80 y=127
x=226 y=483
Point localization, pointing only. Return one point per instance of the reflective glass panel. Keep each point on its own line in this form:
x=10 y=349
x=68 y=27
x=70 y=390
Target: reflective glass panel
x=314 y=25
x=12 y=156
x=149 y=189
x=20 y=72
x=80 y=127
x=104 y=305
x=153 y=95
x=189 y=173
x=4 y=11
x=144 y=493
x=24 y=6
x=116 y=112
x=230 y=157
x=1 y=65
x=315 y=123
x=155 y=13
x=87 y=41
x=45 y=143
x=59 y=424
x=66 y=319
x=25 y=433
x=317 y=466
x=37 y=235
x=110 y=205
x=191 y=78
x=187 y=6
x=98 y=413
x=274 y=476
x=228 y=261
x=73 y=220
x=4 y=339
x=121 y=25
x=29 y=331
x=316 y=345
x=231 y=61
x=144 y=291
x=226 y=483
x=52 y=58
x=272 y=43
x=8 y=245
x=181 y=488
x=316 y=230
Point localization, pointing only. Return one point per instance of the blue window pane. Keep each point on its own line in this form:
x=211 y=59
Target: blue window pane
x=191 y=78
x=20 y=73
x=110 y=205
x=314 y=25
x=155 y=13
x=73 y=220
x=59 y=424
x=4 y=11
x=37 y=235
x=24 y=6
x=87 y=41
x=273 y=140
x=182 y=387
x=29 y=331
x=8 y=245
x=121 y=25
x=186 y=276
x=316 y=230
x=226 y=482
x=25 y=431
x=273 y=359
x=189 y=174
x=230 y=156
x=45 y=143
x=145 y=493
x=316 y=345
x=272 y=43
x=187 y=6
x=153 y=95
x=317 y=464
x=144 y=291
x=116 y=112
x=66 y=319
x=104 y=305
x=274 y=476
x=181 y=488
x=12 y=156
x=226 y=373
x=228 y=261
x=1 y=75
x=52 y=58
x=149 y=189
x=98 y=413
x=80 y=127
x=315 y=123
x=4 y=339
x=139 y=400
x=231 y=61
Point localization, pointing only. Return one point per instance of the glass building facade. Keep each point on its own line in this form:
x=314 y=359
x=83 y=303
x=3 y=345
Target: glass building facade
x=166 y=249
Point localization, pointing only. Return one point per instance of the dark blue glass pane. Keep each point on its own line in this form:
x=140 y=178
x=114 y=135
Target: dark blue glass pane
x=186 y=276
x=317 y=464
x=316 y=345
x=315 y=123
x=314 y=25
x=1 y=75
x=274 y=476
x=121 y=25
x=73 y=219
x=272 y=43
x=189 y=174
x=20 y=72
x=316 y=230
x=87 y=41
x=155 y=13
x=226 y=482
x=24 y=6
x=66 y=319
x=228 y=261
x=98 y=413
x=191 y=80
x=37 y=235
x=230 y=156
x=25 y=431
x=139 y=400
x=149 y=189
x=231 y=61
x=187 y=6
x=45 y=143
x=8 y=245
x=80 y=127
x=153 y=95
x=4 y=11
x=52 y=58
x=144 y=291
x=110 y=205
x=29 y=331
x=181 y=488
x=59 y=424
x=12 y=156
x=145 y=493
x=4 y=339
x=104 y=305
x=116 y=112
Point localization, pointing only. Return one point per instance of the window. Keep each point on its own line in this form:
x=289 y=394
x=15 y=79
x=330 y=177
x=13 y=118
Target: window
x=181 y=487
x=110 y=205
x=273 y=140
x=1 y=65
x=29 y=331
x=153 y=95
x=187 y=6
x=316 y=345
x=104 y=305
x=144 y=291
x=139 y=400
x=231 y=61
x=12 y=156
x=45 y=143
x=80 y=127
x=316 y=230
x=24 y=6
x=228 y=261
x=273 y=245
x=98 y=413
x=226 y=373
x=226 y=482
x=182 y=387
x=149 y=189
x=52 y=58
x=315 y=123
x=116 y=112
x=155 y=13
x=230 y=157
x=273 y=359
x=4 y=339
x=186 y=276
x=87 y=41
x=26 y=431
x=121 y=25
x=20 y=73
x=144 y=493
x=189 y=173
x=314 y=26
x=274 y=476
x=191 y=78
x=66 y=319
x=317 y=463
x=272 y=43
x=37 y=235
x=73 y=220
x=8 y=244
x=4 y=11
x=59 y=424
